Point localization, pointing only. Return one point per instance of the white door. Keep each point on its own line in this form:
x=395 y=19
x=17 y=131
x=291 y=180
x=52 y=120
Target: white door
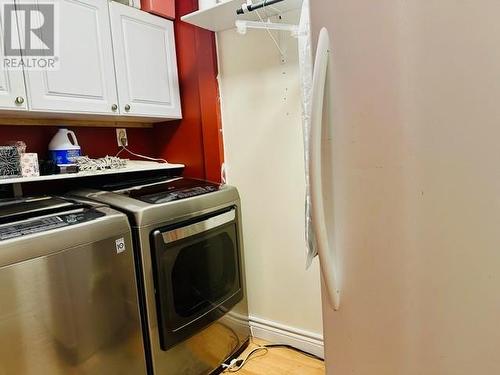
x=12 y=89
x=85 y=80
x=146 y=66
x=414 y=101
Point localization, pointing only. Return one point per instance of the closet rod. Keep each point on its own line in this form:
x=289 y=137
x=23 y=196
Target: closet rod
x=250 y=8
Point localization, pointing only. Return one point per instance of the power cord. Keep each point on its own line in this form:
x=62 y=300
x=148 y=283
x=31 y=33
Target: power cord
x=237 y=364
x=123 y=141
x=124 y=148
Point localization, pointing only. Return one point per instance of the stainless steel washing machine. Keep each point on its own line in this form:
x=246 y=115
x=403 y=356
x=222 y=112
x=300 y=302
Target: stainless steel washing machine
x=68 y=295
x=187 y=236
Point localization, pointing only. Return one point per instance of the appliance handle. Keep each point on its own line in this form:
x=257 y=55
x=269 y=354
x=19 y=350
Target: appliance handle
x=327 y=259
x=200 y=227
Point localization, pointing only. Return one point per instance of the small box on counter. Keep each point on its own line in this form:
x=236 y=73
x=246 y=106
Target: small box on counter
x=29 y=165
x=10 y=164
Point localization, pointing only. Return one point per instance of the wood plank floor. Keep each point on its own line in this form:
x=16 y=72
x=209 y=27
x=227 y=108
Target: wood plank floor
x=279 y=361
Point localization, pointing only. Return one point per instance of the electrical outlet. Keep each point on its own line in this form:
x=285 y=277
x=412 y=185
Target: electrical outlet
x=121 y=137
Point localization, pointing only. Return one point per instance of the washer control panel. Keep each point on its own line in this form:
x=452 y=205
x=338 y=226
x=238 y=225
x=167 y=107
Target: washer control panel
x=31 y=226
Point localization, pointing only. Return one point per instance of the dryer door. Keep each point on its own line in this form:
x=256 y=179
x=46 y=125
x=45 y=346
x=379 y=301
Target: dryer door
x=197 y=274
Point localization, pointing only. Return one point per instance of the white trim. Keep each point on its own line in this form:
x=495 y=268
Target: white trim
x=277 y=333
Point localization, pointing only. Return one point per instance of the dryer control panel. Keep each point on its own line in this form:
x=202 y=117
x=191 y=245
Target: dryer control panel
x=172 y=190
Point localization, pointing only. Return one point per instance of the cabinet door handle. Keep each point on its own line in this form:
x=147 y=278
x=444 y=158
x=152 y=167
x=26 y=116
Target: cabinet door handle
x=19 y=100
x=114 y=107
x=127 y=107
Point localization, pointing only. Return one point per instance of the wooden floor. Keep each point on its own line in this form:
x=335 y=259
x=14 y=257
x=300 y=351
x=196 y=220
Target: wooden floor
x=279 y=361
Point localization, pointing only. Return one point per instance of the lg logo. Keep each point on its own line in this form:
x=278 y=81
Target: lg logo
x=120 y=245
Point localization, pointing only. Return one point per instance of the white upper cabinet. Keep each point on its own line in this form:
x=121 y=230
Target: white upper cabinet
x=85 y=81
x=145 y=62
x=111 y=59
x=12 y=89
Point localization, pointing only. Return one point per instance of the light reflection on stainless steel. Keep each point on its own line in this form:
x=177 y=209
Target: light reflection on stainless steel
x=197 y=228
x=72 y=312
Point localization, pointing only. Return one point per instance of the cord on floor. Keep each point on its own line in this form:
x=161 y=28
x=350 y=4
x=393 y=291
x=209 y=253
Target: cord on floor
x=237 y=364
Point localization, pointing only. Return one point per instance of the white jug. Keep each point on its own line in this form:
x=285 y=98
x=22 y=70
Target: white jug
x=64 y=147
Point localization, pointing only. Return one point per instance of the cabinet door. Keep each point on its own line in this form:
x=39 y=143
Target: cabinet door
x=12 y=89
x=145 y=62
x=85 y=81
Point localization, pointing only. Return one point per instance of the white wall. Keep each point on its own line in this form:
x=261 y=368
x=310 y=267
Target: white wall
x=264 y=158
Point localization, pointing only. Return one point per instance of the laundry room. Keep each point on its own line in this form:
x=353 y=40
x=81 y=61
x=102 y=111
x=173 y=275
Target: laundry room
x=128 y=197
x=260 y=187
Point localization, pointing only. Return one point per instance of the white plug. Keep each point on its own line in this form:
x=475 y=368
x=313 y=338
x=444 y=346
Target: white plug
x=231 y=365
x=121 y=137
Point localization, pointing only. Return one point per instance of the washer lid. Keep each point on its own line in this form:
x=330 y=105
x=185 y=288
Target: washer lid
x=25 y=208
x=21 y=217
x=33 y=227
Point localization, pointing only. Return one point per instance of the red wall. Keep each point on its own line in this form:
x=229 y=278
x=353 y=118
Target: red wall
x=194 y=141
x=95 y=142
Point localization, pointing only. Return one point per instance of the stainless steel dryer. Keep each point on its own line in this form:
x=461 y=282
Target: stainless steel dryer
x=188 y=240
x=68 y=295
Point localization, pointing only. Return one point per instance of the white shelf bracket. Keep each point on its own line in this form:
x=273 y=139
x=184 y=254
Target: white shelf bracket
x=242 y=27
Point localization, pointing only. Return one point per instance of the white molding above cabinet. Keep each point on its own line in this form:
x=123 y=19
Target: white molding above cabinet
x=145 y=63
x=116 y=63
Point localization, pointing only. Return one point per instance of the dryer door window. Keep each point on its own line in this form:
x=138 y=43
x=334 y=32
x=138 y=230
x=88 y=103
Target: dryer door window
x=197 y=274
x=204 y=272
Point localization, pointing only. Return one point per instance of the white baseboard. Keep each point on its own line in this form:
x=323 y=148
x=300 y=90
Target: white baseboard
x=277 y=333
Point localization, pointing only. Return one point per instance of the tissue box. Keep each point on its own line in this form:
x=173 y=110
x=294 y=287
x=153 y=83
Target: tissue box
x=29 y=165
x=10 y=165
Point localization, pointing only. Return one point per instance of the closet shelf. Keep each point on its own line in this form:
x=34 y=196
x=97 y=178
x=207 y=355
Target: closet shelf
x=223 y=16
